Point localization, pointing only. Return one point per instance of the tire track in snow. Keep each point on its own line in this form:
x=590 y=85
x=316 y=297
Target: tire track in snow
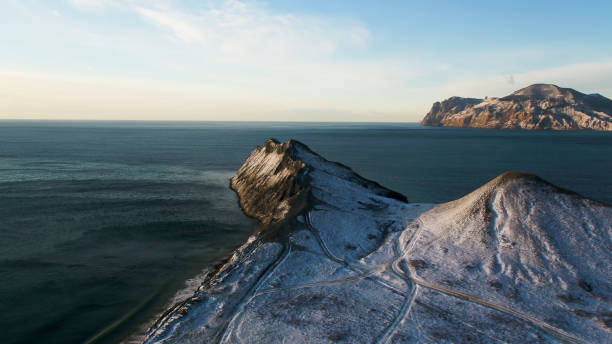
x=227 y=332
x=553 y=331
x=317 y=284
x=409 y=300
x=403 y=312
x=341 y=261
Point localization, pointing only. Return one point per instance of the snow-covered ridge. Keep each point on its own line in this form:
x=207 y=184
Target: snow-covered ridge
x=342 y=259
x=539 y=106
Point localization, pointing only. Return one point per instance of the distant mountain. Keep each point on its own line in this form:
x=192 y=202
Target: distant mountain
x=539 y=106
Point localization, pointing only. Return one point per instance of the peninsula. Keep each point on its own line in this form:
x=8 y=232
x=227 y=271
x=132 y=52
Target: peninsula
x=340 y=258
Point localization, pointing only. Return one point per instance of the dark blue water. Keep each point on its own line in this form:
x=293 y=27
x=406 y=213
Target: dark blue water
x=102 y=222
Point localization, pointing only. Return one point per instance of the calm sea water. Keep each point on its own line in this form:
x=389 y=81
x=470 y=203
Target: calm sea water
x=102 y=222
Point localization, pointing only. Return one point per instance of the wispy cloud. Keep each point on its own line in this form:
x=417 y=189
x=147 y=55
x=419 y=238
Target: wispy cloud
x=178 y=23
x=248 y=60
x=246 y=29
x=92 y=3
x=249 y=45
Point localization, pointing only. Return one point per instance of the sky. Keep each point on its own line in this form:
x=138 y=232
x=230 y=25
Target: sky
x=292 y=60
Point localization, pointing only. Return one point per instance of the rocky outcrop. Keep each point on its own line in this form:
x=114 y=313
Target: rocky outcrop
x=517 y=260
x=539 y=106
x=273 y=183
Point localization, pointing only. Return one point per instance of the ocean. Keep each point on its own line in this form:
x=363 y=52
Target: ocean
x=104 y=224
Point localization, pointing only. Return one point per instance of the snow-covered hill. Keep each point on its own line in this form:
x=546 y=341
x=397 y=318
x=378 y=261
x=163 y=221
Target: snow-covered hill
x=343 y=259
x=539 y=106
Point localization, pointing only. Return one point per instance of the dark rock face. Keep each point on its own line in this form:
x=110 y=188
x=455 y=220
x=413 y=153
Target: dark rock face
x=273 y=185
x=271 y=182
x=539 y=106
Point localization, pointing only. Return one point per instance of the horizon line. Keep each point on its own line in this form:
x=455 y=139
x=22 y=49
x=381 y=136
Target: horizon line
x=186 y=120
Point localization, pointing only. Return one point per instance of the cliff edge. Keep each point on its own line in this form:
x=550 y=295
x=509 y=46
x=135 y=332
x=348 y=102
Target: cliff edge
x=274 y=182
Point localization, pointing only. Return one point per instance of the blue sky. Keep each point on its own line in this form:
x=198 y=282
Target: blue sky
x=289 y=60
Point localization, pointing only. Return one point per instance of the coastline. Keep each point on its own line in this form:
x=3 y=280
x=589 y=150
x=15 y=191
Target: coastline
x=414 y=172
